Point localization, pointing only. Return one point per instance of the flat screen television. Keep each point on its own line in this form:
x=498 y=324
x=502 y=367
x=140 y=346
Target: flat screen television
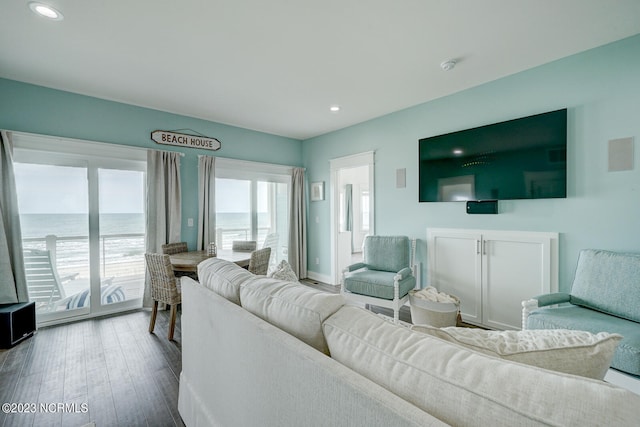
x=524 y=158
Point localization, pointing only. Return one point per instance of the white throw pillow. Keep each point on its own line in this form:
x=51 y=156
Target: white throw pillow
x=572 y=352
x=284 y=272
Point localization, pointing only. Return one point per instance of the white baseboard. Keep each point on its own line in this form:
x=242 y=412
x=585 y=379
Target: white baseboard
x=623 y=380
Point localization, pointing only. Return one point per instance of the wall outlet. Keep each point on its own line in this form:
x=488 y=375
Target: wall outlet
x=317 y=261
x=190 y=222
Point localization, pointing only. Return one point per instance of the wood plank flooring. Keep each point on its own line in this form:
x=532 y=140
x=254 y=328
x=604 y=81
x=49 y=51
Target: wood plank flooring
x=124 y=375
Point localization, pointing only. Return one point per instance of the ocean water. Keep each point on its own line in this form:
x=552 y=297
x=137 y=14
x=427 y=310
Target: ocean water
x=40 y=225
x=122 y=235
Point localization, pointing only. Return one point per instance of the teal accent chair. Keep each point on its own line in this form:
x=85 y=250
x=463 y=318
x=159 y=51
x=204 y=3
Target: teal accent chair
x=384 y=277
x=604 y=297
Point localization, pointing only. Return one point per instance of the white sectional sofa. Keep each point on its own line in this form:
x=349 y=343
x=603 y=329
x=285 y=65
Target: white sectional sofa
x=259 y=351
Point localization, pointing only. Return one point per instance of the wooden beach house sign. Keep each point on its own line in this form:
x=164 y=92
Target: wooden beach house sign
x=185 y=140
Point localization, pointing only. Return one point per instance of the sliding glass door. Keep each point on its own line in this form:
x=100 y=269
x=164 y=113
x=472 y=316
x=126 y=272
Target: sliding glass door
x=53 y=202
x=233 y=211
x=122 y=234
x=252 y=203
x=83 y=229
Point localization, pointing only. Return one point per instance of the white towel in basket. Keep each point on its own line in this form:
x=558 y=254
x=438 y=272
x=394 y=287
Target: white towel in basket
x=431 y=294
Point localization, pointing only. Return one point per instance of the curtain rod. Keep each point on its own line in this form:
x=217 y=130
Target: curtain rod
x=85 y=141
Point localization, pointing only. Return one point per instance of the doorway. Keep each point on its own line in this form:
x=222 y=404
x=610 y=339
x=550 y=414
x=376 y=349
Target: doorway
x=352 y=207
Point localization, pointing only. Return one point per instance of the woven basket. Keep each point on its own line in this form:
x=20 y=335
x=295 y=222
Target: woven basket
x=436 y=314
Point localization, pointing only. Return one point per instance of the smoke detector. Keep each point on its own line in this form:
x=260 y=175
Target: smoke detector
x=448 y=65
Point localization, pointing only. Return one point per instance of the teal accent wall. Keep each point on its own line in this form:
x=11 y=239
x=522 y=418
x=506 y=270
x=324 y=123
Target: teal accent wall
x=601 y=90
x=40 y=110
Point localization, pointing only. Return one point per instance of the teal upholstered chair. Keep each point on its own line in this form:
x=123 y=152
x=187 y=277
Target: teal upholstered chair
x=384 y=277
x=604 y=297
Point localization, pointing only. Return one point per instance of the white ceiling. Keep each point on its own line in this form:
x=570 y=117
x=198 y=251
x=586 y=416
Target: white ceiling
x=276 y=66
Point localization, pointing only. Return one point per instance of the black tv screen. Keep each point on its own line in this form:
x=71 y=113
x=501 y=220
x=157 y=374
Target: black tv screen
x=524 y=158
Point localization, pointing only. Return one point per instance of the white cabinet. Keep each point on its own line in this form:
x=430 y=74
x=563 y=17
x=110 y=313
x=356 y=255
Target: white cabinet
x=492 y=272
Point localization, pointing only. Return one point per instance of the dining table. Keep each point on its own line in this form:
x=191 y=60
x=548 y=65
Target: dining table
x=188 y=261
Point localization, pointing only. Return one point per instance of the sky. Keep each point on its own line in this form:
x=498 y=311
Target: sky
x=63 y=189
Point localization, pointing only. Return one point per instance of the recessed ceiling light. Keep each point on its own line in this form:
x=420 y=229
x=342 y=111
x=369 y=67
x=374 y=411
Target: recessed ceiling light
x=457 y=151
x=334 y=108
x=46 y=11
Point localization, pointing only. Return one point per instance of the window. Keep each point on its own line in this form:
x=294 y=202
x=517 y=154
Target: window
x=252 y=203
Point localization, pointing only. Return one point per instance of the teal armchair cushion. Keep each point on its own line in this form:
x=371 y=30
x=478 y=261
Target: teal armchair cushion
x=608 y=282
x=378 y=284
x=627 y=355
x=387 y=253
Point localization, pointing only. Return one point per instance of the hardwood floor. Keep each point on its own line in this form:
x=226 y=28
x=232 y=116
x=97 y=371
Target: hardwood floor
x=123 y=375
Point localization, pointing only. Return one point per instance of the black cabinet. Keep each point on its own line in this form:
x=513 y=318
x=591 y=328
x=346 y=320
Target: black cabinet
x=17 y=322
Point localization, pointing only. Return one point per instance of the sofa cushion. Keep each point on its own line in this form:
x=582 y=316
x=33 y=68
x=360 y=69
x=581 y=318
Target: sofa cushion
x=223 y=277
x=463 y=387
x=573 y=352
x=377 y=284
x=627 y=355
x=608 y=282
x=293 y=307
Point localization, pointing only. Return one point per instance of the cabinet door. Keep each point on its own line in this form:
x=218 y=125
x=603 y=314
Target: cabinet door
x=513 y=269
x=455 y=268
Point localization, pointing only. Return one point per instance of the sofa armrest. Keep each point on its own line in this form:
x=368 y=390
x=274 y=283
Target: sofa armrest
x=402 y=274
x=550 y=299
x=540 y=301
x=356 y=266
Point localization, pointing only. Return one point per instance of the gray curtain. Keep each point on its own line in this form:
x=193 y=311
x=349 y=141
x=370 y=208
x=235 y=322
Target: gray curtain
x=13 y=283
x=348 y=210
x=164 y=214
x=206 y=201
x=298 y=225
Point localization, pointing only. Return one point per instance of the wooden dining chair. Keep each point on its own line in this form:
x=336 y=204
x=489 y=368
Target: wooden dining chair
x=259 y=261
x=165 y=288
x=271 y=241
x=244 y=245
x=174 y=248
x=178 y=248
